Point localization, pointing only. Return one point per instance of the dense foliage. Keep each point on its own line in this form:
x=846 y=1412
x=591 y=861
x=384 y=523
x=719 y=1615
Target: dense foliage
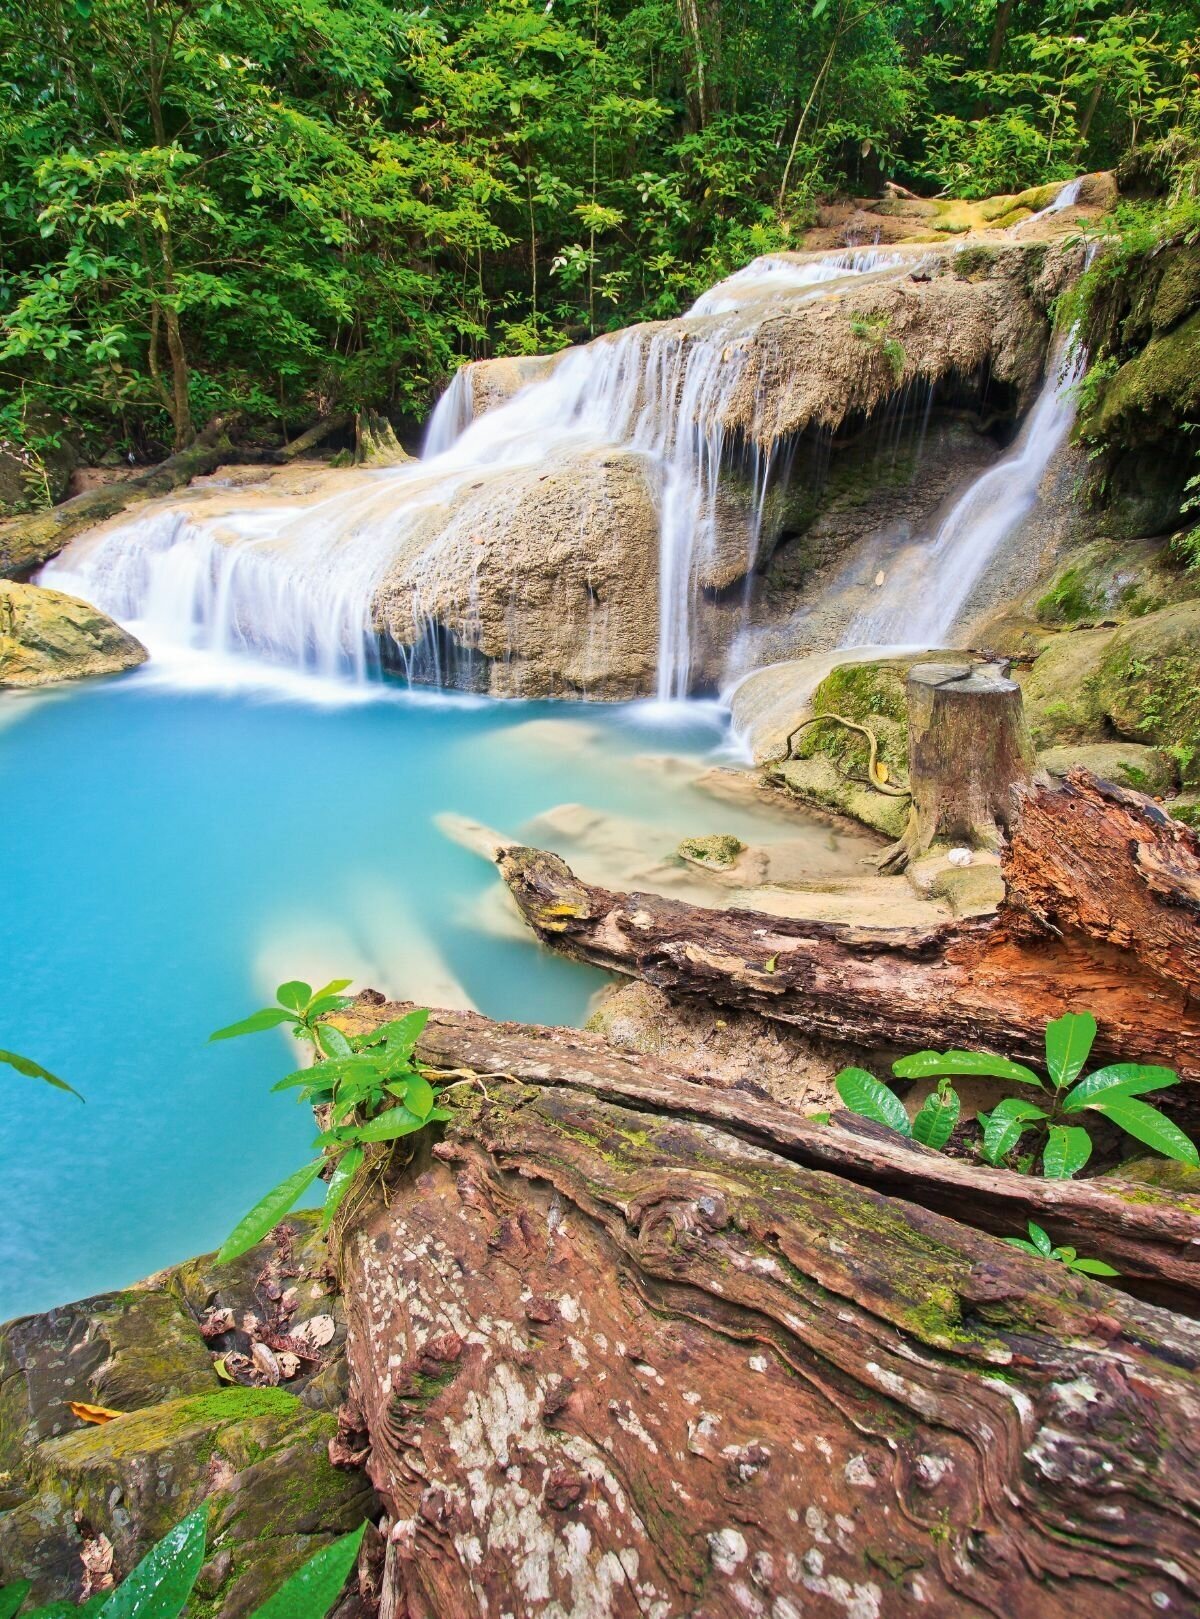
x=286 y=207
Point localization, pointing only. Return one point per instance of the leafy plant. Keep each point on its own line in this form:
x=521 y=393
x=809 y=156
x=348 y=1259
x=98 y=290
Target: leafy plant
x=1041 y=1247
x=1115 y=1092
x=160 y=1585
x=368 y=1087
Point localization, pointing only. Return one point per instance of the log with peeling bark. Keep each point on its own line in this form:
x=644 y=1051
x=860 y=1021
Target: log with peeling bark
x=612 y=1359
x=1101 y=912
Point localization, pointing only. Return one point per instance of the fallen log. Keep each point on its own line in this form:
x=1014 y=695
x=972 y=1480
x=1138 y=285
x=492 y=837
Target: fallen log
x=27 y=542
x=312 y=436
x=1151 y=1235
x=616 y=1362
x=1101 y=912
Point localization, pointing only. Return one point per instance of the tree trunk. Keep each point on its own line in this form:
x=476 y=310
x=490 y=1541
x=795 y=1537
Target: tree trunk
x=312 y=436
x=1101 y=911
x=375 y=441
x=27 y=542
x=615 y=1363
x=1154 y=1243
x=968 y=751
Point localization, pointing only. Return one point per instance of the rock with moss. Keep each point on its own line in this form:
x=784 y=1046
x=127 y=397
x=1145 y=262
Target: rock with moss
x=46 y=637
x=819 y=782
x=718 y=851
x=184 y=1435
x=1114 y=580
x=1148 y=396
x=1128 y=764
x=872 y=695
x=1185 y=807
x=1138 y=683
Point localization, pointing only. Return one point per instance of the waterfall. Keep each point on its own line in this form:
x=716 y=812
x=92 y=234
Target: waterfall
x=296 y=584
x=925 y=591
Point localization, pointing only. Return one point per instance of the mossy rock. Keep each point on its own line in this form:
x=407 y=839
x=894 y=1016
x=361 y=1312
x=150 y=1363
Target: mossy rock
x=717 y=852
x=46 y=637
x=871 y=694
x=260 y=1454
x=1185 y=807
x=1178 y=293
x=1138 y=683
x=1152 y=393
x=1128 y=764
x=974 y=263
x=1164 y=1172
x=1110 y=580
x=818 y=781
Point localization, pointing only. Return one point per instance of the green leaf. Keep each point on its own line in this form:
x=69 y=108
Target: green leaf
x=1065 y=1256
x=1093 y=1267
x=1016 y=1107
x=267 y=1213
x=419 y=1097
x=160 y=1585
x=1119 y=1079
x=863 y=1094
x=397 y=1121
x=344 y=1172
x=402 y=1034
x=936 y=1119
x=69 y=1610
x=1068 y=1042
x=335 y=986
x=333 y=1042
x=314 y=1588
x=269 y=1018
x=1067 y=1149
x=1000 y=1136
x=295 y=995
x=1039 y=1238
x=12 y=1596
x=33 y=1070
x=1146 y=1123
x=320 y=1004
x=1025 y=1247
x=978 y=1064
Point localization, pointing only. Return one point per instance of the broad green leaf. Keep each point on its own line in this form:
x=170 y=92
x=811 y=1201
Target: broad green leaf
x=1068 y=1042
x=1039 y=1238
x=313 y=1589
x=936 y=1119
x=1000 y=1136
x=68 y=1610
x=34 y=1070
x=1093 y=1267
x=863 y=1094
x=1119 y=1079
x=344 y=1172
x=269 y=1018
x=978 y=1064
x=320 y=1004
x=402 y=1034
x=439 y=1115
x=1146 y=1123
x=1025 y=1247
x=419 y=1097
x=335 y=986
x=333 y=1042
x=295 y=995
x=12 y=1596
x=267 y=1213
x=1067 y=1149
x=1065 y=1256
x=397 y=1121
x=1016 y=1107
x=160 y=1585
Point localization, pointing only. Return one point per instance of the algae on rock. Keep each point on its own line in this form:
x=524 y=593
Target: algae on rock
x=46 y=637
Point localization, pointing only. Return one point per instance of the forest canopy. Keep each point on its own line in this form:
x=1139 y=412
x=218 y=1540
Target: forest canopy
x=285 y=208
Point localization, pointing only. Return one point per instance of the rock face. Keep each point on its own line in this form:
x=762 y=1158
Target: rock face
x=260 y=1453
x=47 y=637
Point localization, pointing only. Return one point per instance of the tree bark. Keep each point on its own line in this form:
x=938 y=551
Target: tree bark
x=616 y=1363
x=312 y=436
x=969 y=749
x=1154 y=1242
x=1101 y=912
x=27 y=542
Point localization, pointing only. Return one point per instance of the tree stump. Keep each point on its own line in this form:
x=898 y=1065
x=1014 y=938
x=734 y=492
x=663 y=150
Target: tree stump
x=968 y=749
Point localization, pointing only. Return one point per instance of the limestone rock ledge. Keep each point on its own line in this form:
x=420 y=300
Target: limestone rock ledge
x=46 y=637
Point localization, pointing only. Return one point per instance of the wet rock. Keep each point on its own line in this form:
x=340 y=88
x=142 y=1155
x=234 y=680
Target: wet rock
x=819 y=782
x=47 y=637
x=1128 y=764
x=719 y=850
x=1111 y=580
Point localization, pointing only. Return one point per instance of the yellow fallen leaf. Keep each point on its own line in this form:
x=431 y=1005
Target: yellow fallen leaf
x=881 y=771
x=222 y=1370
x=93 y=1413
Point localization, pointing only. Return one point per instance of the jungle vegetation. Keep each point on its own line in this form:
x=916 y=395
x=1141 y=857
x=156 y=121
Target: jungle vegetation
x=286 y=208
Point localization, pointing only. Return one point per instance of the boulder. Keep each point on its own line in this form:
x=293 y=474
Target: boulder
x=1110 y=579
x=261 y=1453
x=47 y=637
x=1128 y=764
x=819 y=782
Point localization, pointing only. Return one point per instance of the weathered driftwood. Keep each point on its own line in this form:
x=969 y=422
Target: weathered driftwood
x=1101 y=911
x=620 y=1364
x=969 y=751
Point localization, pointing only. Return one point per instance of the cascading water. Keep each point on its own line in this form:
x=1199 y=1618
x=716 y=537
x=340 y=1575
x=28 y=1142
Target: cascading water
x=296 y=585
